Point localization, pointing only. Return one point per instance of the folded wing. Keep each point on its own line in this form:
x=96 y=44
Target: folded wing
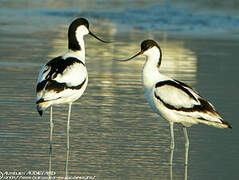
x=60 y=77
x=182 y=99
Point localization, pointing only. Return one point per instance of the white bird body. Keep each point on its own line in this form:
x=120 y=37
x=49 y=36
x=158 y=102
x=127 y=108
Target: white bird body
x=172 y=99
x=64 y=79
x=73 y=75
x=180 y=98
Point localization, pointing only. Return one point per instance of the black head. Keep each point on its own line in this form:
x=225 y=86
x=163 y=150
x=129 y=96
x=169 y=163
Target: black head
x=73 y=43
x=78 y=22
x=147 y=44
x=72 y=37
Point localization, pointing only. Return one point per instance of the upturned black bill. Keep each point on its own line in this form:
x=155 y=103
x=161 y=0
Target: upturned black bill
x=132 y=57
x=98 y=38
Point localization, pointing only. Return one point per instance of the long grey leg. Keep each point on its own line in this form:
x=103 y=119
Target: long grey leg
x=49 y=170
x=172 y=143
x=186 y=145
x=185 y=172
x=68 y=127
x=68 y=140
x=67 y=161
x=51 y=126
x=171 y=172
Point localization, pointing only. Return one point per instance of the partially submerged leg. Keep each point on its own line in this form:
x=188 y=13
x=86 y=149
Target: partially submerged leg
x=172 y=143
x=185 y=172
x=51 y=130
x=67 y=161
x=68 y=141
x=49 y=168
x=68 y=127
x=186 y=145
x=171 y=172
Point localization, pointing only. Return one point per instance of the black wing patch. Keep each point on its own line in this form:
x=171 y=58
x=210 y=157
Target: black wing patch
x=177 y=85
x=204 y=106
x=41 y=85
x=181 y=83
x=56 y=86
x=58 y=65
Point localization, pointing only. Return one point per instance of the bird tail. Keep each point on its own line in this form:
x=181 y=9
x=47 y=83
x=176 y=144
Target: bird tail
x=226 y=124
x=221 y=124
x=42 y=106
x=39 y=111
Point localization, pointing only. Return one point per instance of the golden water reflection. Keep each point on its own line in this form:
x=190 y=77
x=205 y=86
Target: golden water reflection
x=112 y=134
x=177 y=62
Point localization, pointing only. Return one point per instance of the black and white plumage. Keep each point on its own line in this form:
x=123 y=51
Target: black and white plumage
x=174 y=100
x=61 y=80
x=64 y=78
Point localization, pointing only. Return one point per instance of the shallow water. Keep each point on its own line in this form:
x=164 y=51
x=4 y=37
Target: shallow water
x=114 y=133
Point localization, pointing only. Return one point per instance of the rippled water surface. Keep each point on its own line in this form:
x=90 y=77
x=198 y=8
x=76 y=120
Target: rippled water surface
x=114 y=133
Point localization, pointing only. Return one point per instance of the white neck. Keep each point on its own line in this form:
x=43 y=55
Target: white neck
x=80 y=39
x=77 y=54
x=151 y=74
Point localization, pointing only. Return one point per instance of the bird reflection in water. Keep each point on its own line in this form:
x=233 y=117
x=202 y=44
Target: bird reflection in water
x=51 y=173
x=171 y=167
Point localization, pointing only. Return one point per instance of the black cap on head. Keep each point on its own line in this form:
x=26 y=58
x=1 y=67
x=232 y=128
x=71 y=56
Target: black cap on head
x=73 y=44
x=78 y=22
x=147 y=44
